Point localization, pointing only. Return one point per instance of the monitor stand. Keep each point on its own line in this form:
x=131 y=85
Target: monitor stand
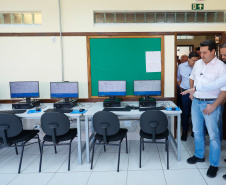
x=28 y=104
x=147 y=102
x=112 y=102
x=66 y=103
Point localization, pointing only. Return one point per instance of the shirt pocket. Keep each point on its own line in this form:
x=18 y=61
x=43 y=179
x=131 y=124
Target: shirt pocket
x=209 y=77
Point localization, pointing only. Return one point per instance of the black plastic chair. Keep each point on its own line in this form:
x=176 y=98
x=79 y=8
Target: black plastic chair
x=107 y=128
x=154 y=126
x=56 y=126
x=13 y=135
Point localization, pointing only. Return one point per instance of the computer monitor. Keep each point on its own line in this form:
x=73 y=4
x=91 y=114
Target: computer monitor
x=112 y=88
x=24 y=89
x=147 y=88
x=64 y=90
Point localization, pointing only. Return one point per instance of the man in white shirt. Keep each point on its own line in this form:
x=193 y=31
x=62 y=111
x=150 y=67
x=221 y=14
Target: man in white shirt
x=206 y=70
x=183 y=73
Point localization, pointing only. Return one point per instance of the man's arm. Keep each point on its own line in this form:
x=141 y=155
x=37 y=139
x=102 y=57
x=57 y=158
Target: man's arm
x=211 y=107
x=191 y=82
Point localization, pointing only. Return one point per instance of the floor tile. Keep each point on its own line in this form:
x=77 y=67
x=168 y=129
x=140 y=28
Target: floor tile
x=6 y=178
x=206 y=164
x=50 y=163
x=218 y=180
x=135 y=147
x=10 y=163
x=155 y=177
x=149 y=161
x=61 y=149
x=161 y=147
x=70 y=178
x=110 y=148
x=32 y=178
x=184 y=176
x=109 y=161
x=85 y=167
x=173 y=163
x=108 y=178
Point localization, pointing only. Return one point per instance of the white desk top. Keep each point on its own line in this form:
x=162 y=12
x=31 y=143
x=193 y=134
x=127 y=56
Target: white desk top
x=45 y=106
x=98 y=106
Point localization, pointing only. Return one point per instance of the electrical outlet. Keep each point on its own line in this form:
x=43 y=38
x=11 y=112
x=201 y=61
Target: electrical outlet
x=127 y=123
x=36 y=127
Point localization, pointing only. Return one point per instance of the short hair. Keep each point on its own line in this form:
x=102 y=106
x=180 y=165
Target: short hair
x=183 y=56
x=197 y=49
x=193 y=54
x=223 y=45
x=210 y=43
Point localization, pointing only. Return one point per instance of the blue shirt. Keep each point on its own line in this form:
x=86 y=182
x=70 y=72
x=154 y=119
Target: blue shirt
x=183 y=73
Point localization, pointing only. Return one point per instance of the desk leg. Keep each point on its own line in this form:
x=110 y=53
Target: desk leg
x=178 y=138
x=169 y=126
x=79 y=141
x=87 y=138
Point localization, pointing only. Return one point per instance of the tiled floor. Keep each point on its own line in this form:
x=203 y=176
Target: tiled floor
x=153 y=171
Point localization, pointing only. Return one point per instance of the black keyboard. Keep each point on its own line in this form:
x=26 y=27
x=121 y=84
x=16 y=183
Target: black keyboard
x=59 y=110
x=151 y=108
x=116 y=109
x=19 y=111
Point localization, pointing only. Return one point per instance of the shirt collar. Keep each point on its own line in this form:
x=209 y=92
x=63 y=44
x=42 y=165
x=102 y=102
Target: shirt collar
x=212 y=61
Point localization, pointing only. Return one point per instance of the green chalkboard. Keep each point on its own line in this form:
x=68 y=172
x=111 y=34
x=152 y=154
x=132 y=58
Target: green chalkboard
x=121 y=59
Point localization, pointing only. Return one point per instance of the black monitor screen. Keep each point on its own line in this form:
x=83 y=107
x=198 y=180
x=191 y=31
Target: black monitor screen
x=64 y=89
x=111 y=88
x=147 y=87
x=26 y=89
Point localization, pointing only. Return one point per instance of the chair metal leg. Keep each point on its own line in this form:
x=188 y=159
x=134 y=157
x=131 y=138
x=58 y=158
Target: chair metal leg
x=55 y=149
x=126 y=145
x=104 y=148
x=21 y=157
x=69 y=157
x=40 y=163
x=166 y=145
x=94 y=142
x=16 y=149
x=39 y=143
x=140 y=152
x=119 y=156
x=167 y=155
x=143 y=143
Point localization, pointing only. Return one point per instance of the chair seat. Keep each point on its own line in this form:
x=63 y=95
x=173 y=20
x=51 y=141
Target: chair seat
x=117 y=137
x=68 y=136
x=23 y=136
x=157 y=136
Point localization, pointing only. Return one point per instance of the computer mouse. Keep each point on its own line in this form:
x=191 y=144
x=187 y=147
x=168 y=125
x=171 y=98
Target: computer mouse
x=38 y=109
x=81 y=110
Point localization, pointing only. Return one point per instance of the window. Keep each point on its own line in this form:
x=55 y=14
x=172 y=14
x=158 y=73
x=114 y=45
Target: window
x=18 y=18
x=161 y=17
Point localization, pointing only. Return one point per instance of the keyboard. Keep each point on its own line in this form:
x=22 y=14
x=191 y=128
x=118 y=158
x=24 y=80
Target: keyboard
x=17 y=111
x=116 y=109
x=59 y=110
x=151 y=108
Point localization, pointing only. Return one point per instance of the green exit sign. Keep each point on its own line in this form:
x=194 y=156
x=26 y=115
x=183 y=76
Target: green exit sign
x=197 y=6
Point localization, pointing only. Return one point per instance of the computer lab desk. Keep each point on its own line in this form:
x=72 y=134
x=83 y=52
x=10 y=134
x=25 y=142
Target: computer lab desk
x=46 y=106
x=135 y=115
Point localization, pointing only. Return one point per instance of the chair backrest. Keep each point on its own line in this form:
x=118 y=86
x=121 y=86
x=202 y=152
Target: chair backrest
x=55 y=121
x=105 y=122
x=10 y=126
x=153 y=122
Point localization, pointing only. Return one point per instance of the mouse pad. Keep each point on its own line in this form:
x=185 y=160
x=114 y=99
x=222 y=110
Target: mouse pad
x=33 y=111
x=77 y=112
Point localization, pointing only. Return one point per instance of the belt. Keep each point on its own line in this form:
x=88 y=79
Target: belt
x=205 y=99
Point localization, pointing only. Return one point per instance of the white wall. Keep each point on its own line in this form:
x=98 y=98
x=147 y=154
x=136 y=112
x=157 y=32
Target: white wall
x=38 y=58
x=29 y=58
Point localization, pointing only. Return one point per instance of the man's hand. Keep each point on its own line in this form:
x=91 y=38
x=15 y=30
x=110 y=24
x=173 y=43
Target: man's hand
x=191 y=96
x=190 y=91
x=209 y=109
